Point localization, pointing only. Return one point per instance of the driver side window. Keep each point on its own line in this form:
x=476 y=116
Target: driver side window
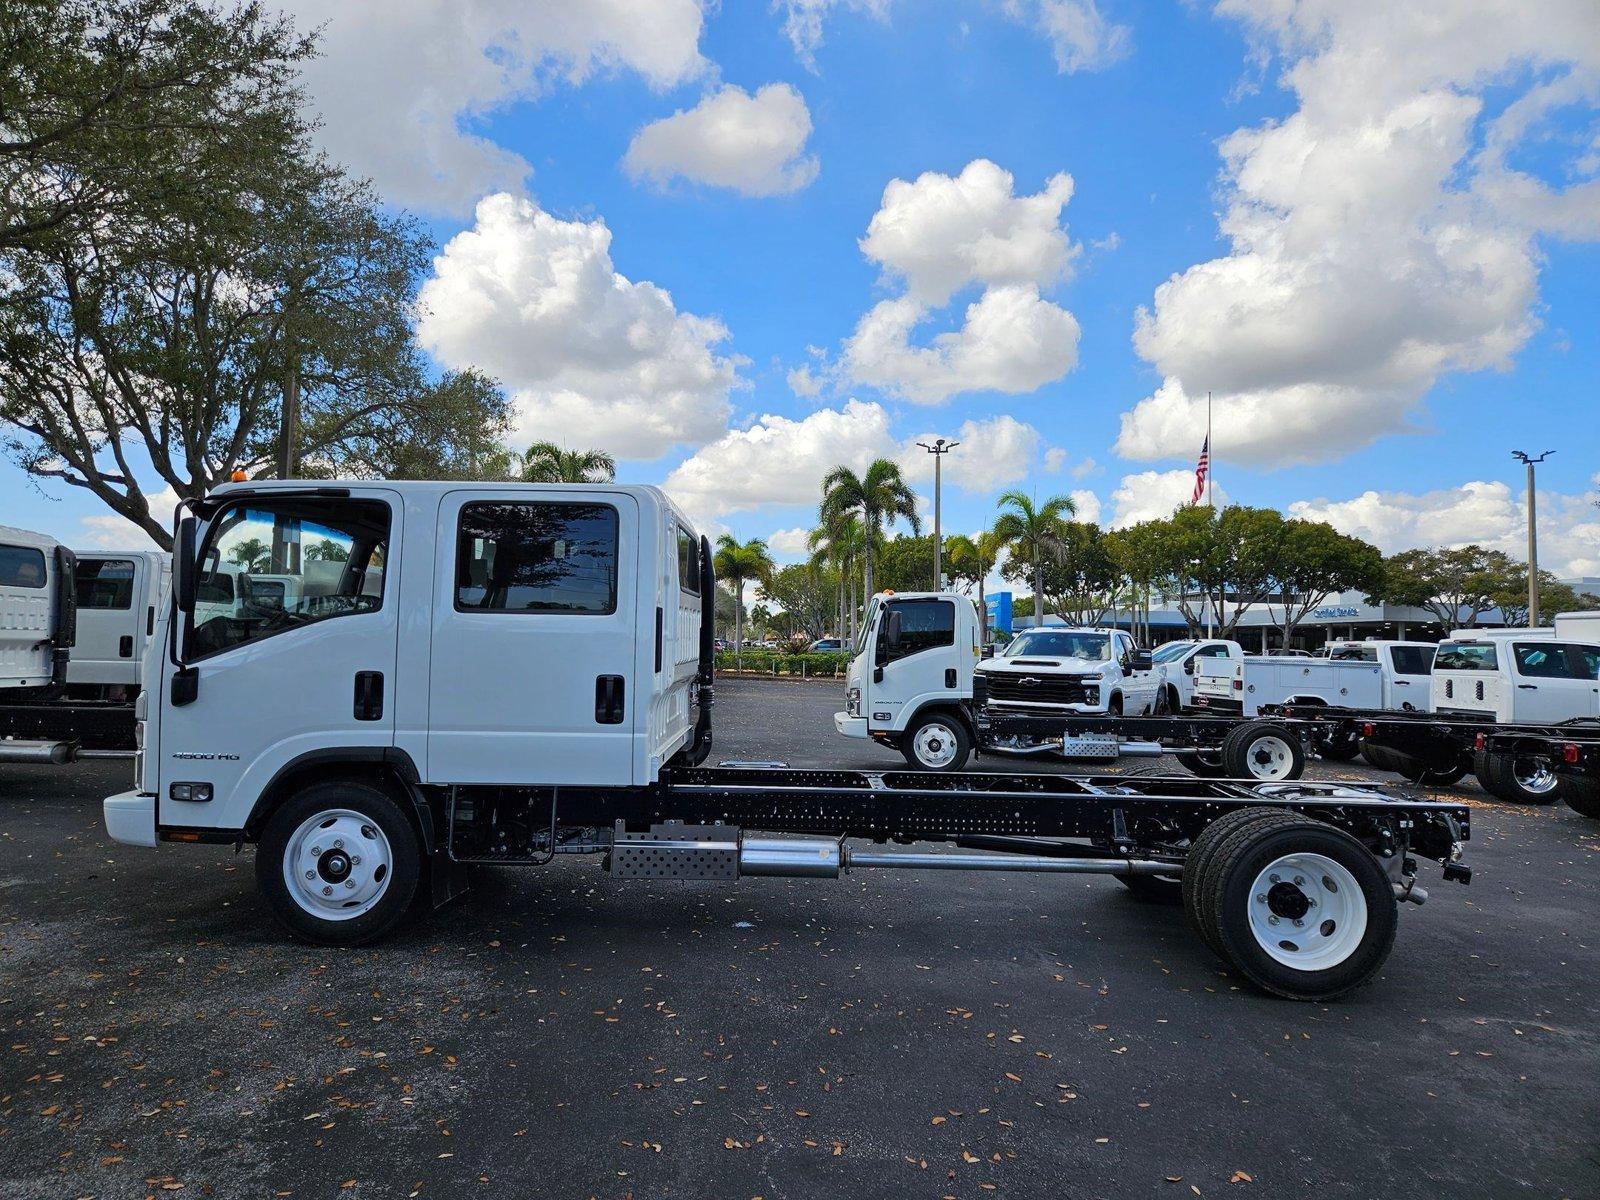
x=269 y=566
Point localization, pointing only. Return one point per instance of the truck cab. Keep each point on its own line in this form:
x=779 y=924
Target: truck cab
x=910 y=677
x=1082 y=672
x=37 y=614
x=1407 y=669
x=117 y=595
x=1519 y=676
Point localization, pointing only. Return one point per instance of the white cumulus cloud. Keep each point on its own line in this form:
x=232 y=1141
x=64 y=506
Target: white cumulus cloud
x=754 y=145
x=400 y=84
x=537 y=303
x=109 y=531
x=939 y=234
x=1377 y=239
x=790 y=543
x=802 y=21
x=993 y=454
x=1154 y=495
x=1487 y=512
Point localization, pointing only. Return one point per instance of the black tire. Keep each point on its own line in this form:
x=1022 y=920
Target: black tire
x=379 y=813
x=1154 y=889
x=1420 y=773
x=1199 y=859
x=1230 y=896
x=1516 y=779
x=1382 y=758
x=1164 y=706
x=944 y=730
x=1338 y=749
x=1260 y=746
x=1582 y=796
x=1206 y=764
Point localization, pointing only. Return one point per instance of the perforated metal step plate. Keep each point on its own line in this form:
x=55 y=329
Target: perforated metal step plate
x=674 y=850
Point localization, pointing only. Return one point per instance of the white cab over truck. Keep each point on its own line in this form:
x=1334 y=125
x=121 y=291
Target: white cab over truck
x=117 y=595
x=502 y=673
x=36 y=612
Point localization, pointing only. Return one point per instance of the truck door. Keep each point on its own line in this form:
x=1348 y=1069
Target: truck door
x=922 y=665
x=1410 y=675
x=533 y=665
x=274 y=682
x=1554 y=682
x=109 y=616
x=27 y=607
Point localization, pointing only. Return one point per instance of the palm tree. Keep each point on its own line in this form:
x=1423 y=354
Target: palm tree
x=837 y=544
x=878 y=496
x=251 y=555
x=737 y=564
x=546 y=462
x=1030 y=532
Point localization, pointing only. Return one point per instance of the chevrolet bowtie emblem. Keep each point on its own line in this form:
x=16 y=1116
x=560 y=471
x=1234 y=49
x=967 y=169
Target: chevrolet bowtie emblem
x=1029 y=681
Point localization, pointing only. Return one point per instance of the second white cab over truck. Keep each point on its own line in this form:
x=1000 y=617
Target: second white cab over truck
x=503 y=673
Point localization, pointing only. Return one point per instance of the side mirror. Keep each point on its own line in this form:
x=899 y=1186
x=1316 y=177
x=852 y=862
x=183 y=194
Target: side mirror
x=988 y=650
x=1141 y=660
x=183 y=565
x=1189 y=664
x=891 y=630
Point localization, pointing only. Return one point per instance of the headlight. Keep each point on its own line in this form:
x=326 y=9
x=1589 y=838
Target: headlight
x=852 y=701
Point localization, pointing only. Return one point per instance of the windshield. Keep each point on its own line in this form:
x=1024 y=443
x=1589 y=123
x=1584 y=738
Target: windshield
x=866 y=625
x=1466 y=656
x=1057 y=643
x=1171 y=652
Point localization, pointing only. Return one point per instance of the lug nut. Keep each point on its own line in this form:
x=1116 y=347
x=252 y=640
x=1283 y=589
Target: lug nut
x=1261 y=897
x=1299 y=879
x=317 y=852
x=311 y=874
x=327 y=891
x=1272 y=920
x=338 y=843
x=350 y=883
x=1298 y=923
x=1274 y=878
x=355 y=862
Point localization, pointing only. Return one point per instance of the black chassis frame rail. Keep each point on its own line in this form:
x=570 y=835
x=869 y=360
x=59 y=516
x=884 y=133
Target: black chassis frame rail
x=1577 y=753
x=1177 y=732
x=1440 y=739
x=94 y=724
x=1156 y=816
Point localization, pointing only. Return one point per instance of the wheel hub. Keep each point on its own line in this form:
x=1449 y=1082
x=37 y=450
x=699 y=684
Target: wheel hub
x=935 y=746
x=1307 y=911
x=337 y=864
x=1269 y=758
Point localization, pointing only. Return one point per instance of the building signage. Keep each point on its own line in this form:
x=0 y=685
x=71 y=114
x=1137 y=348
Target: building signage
x=1335 y=614
x=999 y=615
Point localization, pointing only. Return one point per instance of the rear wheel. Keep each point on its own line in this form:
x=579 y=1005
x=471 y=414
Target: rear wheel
x=339 y=862
x=1198 y=863
x=1381 y=757
x=1263 y=751
x=936 y=742
x=1338 y=747
x=1300 y=908
x=1516 y=778
x=1581 y=795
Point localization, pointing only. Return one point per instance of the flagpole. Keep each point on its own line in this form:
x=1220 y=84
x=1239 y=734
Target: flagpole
x=1211 y=465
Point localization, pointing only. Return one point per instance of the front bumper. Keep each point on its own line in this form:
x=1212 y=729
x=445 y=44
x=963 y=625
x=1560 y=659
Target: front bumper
x=850 y=727
x=131 y=818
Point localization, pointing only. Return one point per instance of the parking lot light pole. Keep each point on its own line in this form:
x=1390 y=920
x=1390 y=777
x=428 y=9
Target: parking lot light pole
x=939 y=449
x=1533 y=536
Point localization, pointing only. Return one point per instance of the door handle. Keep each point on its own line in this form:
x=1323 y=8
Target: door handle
x=125 y=645
x=1527 y=687
x=369 y=696
x=609 y=704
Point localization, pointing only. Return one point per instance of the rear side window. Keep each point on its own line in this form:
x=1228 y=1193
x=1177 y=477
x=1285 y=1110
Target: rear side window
x=924 y=625
x=1413 y=660
x=1466 y=656
x=545 y=557
x=104 y=583
x=1584 y=661
x=688 y=562
x=21 y=566
x=1540 y=660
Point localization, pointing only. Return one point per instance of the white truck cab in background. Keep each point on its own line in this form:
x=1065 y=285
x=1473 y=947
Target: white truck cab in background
x=117 y=595
x=37 y=626
x=1083 y=672
x=1521 y=676
x=910 y=677
x=1407 y=669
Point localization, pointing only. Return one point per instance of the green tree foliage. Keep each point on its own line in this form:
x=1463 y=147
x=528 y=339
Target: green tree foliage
x=1080 y=579
x=904 y=564
x=1457 y=584
x=837 y=544
x=1554 y=597
x=180 y=259
x=327 y=550
x=736 y=564
x=250 y=555
x=1032 y=533
x=546 y=462
x=804 y=595
x=1313 y=561
x=877 y=497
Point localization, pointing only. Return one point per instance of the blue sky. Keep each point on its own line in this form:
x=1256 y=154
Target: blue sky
x=1329 y=403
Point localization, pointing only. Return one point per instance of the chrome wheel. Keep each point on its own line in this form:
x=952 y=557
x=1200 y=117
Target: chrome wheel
x=1307 y=912
x=1534 y=775
x=337 y=864
x=935 y=745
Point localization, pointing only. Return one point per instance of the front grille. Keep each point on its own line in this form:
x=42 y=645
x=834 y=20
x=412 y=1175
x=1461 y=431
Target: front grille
x=1040 y=689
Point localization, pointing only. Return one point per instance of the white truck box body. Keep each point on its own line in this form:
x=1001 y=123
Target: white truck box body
x=1407 y=669
x=1245 y=685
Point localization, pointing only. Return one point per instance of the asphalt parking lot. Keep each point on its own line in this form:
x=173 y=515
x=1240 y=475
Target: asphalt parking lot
x=899 y=1034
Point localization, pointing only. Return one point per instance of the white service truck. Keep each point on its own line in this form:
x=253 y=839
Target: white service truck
x=1243 y=686
x=530 y=675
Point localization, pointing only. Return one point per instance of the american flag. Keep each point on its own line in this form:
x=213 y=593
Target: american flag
x=1201 y=468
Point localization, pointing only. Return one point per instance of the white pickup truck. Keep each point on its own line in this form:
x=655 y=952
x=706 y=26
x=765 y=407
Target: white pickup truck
x=1178 y=664
x=1521 y=676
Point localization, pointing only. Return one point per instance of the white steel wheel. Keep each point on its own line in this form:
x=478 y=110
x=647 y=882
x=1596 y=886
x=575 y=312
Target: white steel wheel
x=337 y=864
x=935 y=745
x=1263 y=751
x=1268 y=757
x=1307 y=911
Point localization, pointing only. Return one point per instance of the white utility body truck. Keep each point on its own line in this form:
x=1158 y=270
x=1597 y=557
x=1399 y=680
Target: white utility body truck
x=1179 y=665
x=504 y=673
x=1243 y=686
x=37 y=630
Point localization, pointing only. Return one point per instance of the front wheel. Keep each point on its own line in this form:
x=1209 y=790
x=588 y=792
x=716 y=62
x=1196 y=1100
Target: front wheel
x=339 y=863
x=1300 y=908
x=936 y=742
